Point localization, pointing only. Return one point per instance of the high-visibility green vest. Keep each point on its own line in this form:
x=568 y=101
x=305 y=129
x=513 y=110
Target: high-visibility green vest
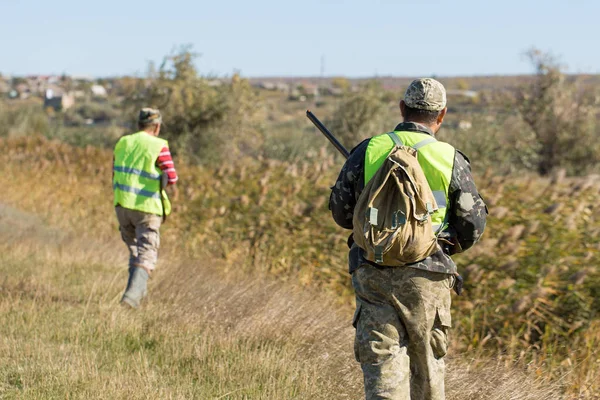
x=137 y=178
x=436 y=159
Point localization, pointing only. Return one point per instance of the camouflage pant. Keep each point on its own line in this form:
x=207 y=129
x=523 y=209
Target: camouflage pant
x=402 y=319
x=140 y=233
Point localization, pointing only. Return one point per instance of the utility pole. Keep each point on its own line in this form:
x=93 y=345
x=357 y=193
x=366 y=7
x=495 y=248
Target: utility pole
x=322 y=77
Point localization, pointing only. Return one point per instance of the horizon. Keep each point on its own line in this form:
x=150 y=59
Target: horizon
x=287 y=77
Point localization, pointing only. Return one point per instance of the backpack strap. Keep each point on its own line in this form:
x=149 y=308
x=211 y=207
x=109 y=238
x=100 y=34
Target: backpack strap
x=424 y=142
x=395 y=139
x=398 y=142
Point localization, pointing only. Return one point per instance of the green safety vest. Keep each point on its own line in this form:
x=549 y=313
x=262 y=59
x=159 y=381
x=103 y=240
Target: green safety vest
x=136 y=177
x=436 y=159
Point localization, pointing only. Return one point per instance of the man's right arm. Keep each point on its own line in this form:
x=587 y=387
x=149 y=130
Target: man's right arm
x=348 y=186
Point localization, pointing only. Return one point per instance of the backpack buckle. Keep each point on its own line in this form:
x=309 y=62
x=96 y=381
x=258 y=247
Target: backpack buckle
x=429 y=207
x=372 y=214
x=398 y=219
x=378 y=252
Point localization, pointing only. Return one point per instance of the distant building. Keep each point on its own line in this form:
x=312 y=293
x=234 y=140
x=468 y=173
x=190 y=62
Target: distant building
x=272 y=86
x=214 y=82
x=98 y=91
x=296 y=95
x=57 y=100
x=282 y=87
x=23 y=90
x=309 y=89
x=267 y=85
x=82 y=78
x=459 y=92
x=333 y=91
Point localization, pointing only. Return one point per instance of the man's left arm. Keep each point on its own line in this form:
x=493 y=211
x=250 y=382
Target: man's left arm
x=468 y=212
x=165 y=163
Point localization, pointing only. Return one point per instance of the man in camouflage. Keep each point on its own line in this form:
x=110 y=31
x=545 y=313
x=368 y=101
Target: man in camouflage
x=403 y=313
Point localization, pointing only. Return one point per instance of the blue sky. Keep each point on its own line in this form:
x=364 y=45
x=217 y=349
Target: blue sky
x=268 y=38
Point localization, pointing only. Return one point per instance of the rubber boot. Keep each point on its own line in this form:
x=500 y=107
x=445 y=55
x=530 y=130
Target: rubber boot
x=136 y=287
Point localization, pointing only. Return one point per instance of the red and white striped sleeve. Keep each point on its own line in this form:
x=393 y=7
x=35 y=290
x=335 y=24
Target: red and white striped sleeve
x=165 y=163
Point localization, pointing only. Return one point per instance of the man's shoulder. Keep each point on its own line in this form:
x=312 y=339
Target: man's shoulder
x=128 y=136
x=462 y=165
x=357 y=154
x=160 y=142
x=121 y=141
x=462 y=156
x=462 y=177
x=146 y=138
x=362 y=146
x=446 y=150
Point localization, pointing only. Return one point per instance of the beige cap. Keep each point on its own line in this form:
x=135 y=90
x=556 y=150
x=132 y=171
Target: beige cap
x=425 y=94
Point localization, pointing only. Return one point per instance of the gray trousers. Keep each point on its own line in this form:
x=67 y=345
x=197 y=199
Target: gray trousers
x=140 y=232
x=402 y=320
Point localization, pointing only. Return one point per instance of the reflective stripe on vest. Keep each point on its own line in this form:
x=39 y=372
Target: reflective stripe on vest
x=137 y=178
x=141 y=192
x=135 y=171
x=436 y=159
x=440 y=198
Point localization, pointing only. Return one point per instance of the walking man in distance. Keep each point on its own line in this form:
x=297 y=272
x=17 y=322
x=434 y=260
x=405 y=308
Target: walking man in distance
x=402 y=313
x=142 y=168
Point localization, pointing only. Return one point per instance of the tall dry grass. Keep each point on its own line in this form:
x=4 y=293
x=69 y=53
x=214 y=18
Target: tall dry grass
x=530 y=283
x=202 y=334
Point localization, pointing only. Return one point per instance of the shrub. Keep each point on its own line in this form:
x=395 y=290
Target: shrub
x=203 y=119
x=22 y=120
x=361 y=114
x=501 y=143
x=562 y=115
x=95 y=111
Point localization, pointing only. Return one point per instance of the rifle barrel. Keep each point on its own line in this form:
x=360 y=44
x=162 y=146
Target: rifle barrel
x=327 y=134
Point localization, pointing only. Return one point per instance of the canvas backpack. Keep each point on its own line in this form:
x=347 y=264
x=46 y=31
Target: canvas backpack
x=392 y=218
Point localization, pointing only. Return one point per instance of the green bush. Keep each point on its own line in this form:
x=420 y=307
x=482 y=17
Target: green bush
x=98 y=112
x=204 y=120
x=501 y=143
x=361 y=114
x=22 y=120
x=562 y=115
x=102 y=136
x=31 y=120
x=293 y=141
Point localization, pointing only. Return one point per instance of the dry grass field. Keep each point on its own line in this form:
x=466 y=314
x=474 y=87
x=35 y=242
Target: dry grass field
x=237 y=310
x=201 y=335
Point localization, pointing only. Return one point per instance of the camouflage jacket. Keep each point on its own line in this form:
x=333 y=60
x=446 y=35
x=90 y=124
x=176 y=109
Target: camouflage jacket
x=466 y=212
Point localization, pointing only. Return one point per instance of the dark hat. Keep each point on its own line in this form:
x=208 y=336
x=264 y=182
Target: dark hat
x=149 y=116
